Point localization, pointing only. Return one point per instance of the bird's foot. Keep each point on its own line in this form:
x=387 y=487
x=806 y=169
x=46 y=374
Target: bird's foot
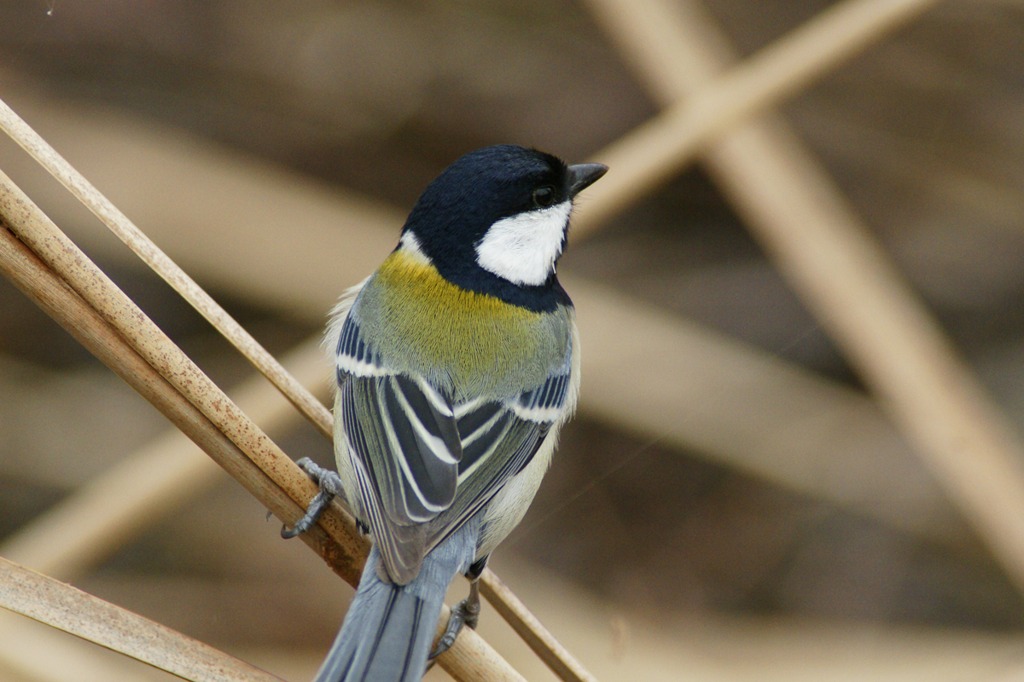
x=330 y=487
x=466 y=612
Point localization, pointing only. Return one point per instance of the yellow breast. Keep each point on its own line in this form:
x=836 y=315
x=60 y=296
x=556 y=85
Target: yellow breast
x=423 y=323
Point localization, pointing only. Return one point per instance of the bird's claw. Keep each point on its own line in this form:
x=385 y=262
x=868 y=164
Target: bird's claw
x=466 y=612
x=330 y=486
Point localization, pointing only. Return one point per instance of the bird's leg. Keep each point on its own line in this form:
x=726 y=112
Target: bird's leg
x=466 y=612
x=330 y=487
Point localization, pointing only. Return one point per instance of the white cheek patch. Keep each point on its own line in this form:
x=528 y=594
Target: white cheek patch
x=523 y=248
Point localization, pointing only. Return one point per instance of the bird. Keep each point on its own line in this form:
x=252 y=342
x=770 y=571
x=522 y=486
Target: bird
x=457 y=363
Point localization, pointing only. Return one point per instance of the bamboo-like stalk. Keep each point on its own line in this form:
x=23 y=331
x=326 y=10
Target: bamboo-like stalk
x=334 y=539
x=828 y=255
x=46 y=654
x=61 y=606
x=255 y=460
x=98 y=517
x=162 y=265
x=59 y=301
x=532 y=631
x=541 y=641
x=650 y=154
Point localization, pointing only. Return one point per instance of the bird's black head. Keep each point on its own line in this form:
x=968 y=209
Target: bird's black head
x=495 y=222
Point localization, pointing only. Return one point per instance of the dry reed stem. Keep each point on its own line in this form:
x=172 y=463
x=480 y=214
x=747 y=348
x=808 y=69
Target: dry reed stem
x=58 y=300
x=531 y=630
x=342 y=549
x=29 y=140
x=73 y=611
x=101 y=515
x=757 y=413
x=650 y=154
x=255 y=460
x=845 y=277
x=45 y=654
x=466 y=660
x=162 y=265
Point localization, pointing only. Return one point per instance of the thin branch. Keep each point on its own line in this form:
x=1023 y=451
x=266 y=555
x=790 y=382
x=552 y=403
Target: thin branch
x=45 y=654
x=650 y=154
x=162 y=265
x=844 y=276
x=73 y=611
x=99 y=516
x=531 y=630
x=263 y=468
x=751 y=411
x=24 y=269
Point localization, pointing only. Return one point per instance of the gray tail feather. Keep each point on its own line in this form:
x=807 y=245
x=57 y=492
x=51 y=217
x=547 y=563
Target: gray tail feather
x=389 y=628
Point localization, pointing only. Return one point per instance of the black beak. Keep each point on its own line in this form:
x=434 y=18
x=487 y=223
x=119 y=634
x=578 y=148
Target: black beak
x=583 y=175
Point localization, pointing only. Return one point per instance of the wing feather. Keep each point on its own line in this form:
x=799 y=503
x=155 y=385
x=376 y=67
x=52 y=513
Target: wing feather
x=425 y=466
x=499 y=440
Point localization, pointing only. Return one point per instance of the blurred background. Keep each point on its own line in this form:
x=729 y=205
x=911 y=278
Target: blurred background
x=733 y=501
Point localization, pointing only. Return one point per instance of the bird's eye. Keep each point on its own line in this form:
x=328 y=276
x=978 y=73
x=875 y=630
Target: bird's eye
x=544 y=196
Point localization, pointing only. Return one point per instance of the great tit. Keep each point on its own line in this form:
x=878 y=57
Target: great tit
x=457 y=362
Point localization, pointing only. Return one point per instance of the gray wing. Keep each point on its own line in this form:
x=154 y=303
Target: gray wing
x=404 y=447
x=499 y=439
x=424 y=466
